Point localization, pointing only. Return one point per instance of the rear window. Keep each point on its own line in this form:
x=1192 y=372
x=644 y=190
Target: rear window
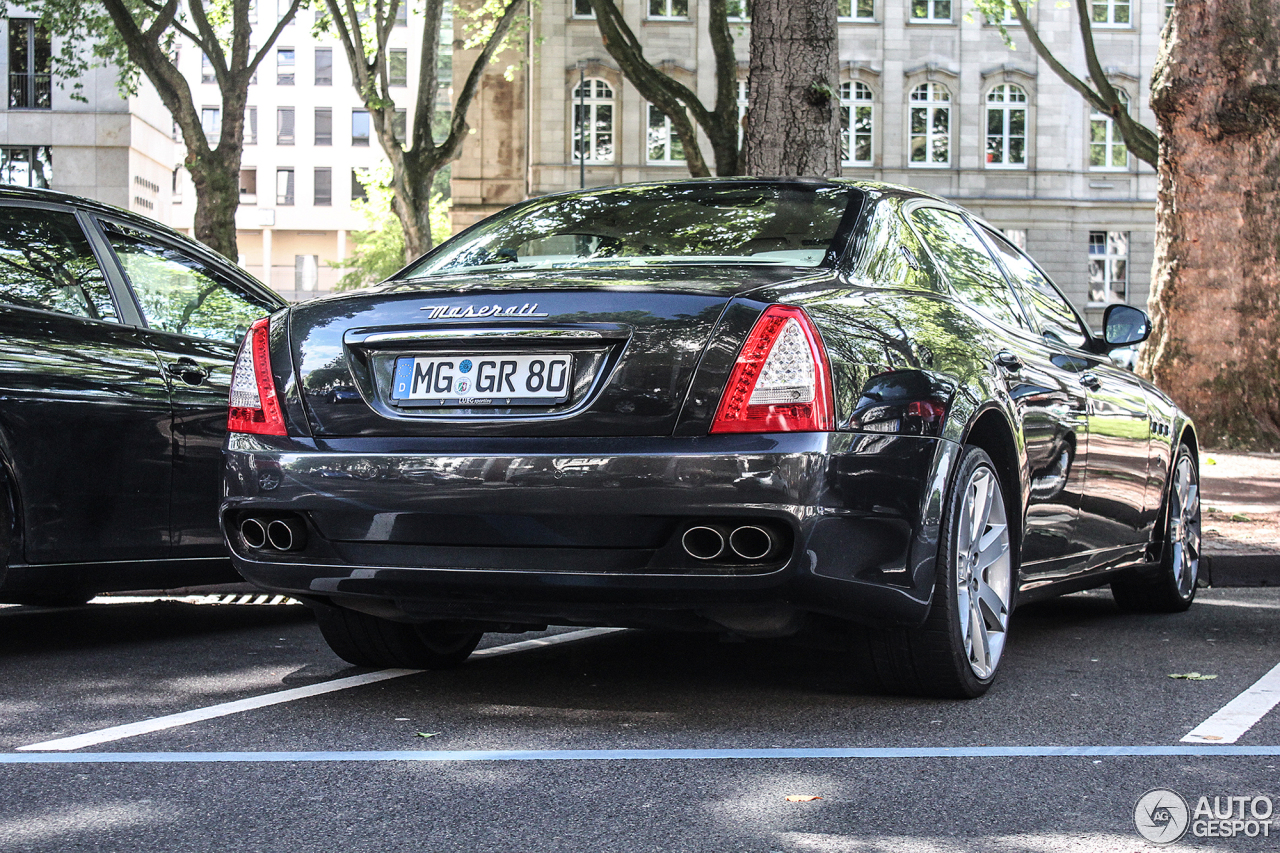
x=740 y=223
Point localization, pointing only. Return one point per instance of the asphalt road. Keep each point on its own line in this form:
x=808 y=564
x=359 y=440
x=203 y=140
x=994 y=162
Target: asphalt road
x=645 y=714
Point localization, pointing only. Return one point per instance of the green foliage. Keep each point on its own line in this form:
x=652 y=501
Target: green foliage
x=379 y=251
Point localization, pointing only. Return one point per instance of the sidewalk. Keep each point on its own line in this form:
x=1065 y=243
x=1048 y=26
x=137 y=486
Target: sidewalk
x=1240 y=504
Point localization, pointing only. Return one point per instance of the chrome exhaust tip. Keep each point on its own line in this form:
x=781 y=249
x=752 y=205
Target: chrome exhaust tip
x=287 y=534
x=751 y=543
x=253 y=532
x=703 y=543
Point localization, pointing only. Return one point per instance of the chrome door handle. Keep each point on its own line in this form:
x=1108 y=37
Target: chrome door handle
x=188 y=371
x=1090 y=381
x=1008 y=361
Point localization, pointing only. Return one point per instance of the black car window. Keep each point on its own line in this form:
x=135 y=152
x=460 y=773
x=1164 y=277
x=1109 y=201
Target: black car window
x=181 y=293
x=1057 y=317
x=968 y=265
x=46 y=263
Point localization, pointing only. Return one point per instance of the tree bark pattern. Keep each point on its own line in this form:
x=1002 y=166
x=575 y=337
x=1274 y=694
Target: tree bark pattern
x=793 y=123
x=1214 y=302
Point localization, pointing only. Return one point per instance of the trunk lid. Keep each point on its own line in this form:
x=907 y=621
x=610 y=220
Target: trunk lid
x=592 y=353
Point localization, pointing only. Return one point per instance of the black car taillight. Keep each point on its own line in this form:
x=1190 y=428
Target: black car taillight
x=781 y=381
x=254 y=405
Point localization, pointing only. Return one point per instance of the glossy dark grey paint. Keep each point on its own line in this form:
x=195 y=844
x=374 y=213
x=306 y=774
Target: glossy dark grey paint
x=569 y=514
x=111 y=463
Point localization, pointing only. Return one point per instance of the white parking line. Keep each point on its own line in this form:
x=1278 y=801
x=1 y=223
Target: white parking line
x=1239 y=715
x=197 y=715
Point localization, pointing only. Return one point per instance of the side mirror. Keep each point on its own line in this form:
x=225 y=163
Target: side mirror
x=1124 y=325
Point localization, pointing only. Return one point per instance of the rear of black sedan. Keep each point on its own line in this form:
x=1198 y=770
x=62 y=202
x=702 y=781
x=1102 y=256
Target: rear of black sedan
x=612 y=408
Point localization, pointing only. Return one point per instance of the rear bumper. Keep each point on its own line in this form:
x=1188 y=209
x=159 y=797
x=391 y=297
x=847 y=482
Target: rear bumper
x=588 y=531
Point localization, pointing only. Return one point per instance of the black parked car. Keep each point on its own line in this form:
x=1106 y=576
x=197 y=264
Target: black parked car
x=117 y=337
x=742 y=405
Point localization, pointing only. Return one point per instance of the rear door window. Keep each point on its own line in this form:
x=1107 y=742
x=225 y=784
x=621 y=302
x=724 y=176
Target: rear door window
x=180 y=293
x=1058 y=319
x=46 y=263
x=968 y=265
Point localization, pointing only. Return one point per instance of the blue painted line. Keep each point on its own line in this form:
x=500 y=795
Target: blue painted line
x=873 y=753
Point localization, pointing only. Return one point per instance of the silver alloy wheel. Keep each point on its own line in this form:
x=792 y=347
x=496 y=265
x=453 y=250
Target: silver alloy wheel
x=1184 y=526
x=983 y=572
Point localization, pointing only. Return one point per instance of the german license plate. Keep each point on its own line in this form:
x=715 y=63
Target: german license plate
x=482 y=380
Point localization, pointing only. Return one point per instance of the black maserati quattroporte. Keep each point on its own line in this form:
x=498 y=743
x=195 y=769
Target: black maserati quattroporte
x=739 y=405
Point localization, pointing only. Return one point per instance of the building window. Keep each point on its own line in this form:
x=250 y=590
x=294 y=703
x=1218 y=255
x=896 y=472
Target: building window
x=1016 y=236
x=360 y=127
x=582 y=9
x=398 y=67
x=324 y=126
x=1108 y=267
x=27 y=166
x=211 y=122
x=284 y=126
x=1107 y=150
x=248 y=185
x=324 y=66
x=358 y=192
x=251 y=126
x=593 y=122
x=669 y=9
x=1111 y=13
x=930 y=125
x=284 y=66
x=30 y=66
x=323 y=187
x=284 y=186
x=856 y=122
x=931 y=11
x=1168 y=9
x=206 y=69
x=744 y=99
x=739 y=10
x=402 y=14
x=663 y=145
x=857 y=10
x=400 y=124
x=1007 y=127
x=306 y=272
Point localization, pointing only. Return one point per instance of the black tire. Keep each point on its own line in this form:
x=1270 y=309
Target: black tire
x=1172 y=587
x=366 y=640
x=940 y=659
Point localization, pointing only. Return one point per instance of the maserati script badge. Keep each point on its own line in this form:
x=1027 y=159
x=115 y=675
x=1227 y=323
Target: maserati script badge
x=468 y=312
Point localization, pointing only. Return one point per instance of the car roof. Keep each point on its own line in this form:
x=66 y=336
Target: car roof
x=13 y=193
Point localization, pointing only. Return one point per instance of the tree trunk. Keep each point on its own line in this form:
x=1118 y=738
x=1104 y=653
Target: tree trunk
x=793 y=124
x=1216 y=341
x=217 y=185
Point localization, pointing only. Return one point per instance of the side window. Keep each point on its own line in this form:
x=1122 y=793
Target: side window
x=180 y=293
x=1056 y=315
x=46 y=263
x=968 y=266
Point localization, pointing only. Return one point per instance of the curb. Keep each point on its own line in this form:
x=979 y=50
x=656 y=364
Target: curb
x=1238 y=570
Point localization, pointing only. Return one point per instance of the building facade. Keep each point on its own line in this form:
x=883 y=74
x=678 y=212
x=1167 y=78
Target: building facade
x=930 y=96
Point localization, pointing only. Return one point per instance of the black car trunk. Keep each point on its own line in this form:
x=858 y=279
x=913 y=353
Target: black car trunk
x=577 y=354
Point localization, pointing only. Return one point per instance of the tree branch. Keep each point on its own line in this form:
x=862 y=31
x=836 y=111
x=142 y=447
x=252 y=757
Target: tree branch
x=462 y=100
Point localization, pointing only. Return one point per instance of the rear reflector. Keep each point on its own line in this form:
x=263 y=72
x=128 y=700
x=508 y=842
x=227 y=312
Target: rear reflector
x=781 y=381
x=254 y=406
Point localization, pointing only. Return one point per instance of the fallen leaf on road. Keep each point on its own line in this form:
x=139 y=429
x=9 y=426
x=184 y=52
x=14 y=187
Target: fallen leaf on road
x=1209 y=460
x=1239 y=516
x=1192 y=676
x=801 y=798
x=427 y=734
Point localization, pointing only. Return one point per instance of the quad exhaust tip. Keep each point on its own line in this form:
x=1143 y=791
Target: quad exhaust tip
x=747 y=542
x=281 y=533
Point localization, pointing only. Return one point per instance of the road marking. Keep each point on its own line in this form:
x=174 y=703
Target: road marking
x=872 y=753
x=1239 y=715
x=1256 y=605
x=233 y=598
x=198 y=715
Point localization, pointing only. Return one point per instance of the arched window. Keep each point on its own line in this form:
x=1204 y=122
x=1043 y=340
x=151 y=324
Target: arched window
x=930 y=125
x=662 y=144
x=1007 y=127
x=593 y=122
x=856 y=122
x=1106 y=148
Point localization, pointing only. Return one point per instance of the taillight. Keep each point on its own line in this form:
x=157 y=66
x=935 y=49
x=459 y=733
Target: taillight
x=254 y=405
x=781 y=381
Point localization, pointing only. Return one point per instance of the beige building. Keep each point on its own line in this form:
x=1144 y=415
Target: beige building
x=933 y=97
